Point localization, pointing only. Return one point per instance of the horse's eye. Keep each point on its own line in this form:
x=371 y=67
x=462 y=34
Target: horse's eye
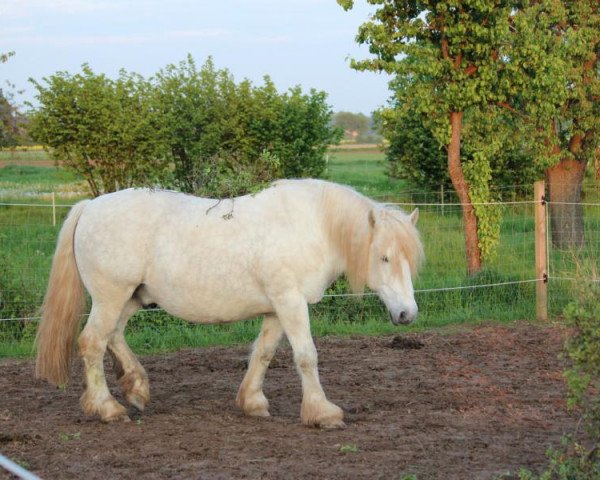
x=385 y=259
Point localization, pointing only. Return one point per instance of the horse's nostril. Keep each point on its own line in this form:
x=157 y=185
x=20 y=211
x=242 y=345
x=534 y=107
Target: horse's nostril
x=402 y=316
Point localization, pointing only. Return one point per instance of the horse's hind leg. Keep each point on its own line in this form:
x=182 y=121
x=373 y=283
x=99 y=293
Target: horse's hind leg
x=250 y=397
x=131 y=375
x=94 y=338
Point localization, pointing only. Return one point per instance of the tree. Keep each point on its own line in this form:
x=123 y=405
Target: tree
x=414 y=154
x=567 y=126
x=355 y=125
x=461 y=59
x=8 y=122
x=8 y=114
x=104 y=129
x=446 y=57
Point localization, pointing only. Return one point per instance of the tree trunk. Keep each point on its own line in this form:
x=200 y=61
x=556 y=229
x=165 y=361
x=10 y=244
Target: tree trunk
x=566 y=212
x=462 y=190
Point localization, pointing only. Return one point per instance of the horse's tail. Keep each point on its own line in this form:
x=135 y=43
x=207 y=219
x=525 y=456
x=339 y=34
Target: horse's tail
x=63 y=305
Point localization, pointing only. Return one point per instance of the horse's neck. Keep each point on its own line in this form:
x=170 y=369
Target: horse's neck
x=346 y=214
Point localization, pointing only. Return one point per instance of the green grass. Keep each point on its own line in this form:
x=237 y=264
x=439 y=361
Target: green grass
x=28 y=182
x=34 y=155
x=364 y=170
x=27 y=241
x=28 y=175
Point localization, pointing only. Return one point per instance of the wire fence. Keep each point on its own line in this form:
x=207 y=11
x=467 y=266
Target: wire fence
x=504 y=289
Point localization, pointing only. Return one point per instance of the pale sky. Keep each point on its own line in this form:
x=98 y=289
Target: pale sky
x=296 y=42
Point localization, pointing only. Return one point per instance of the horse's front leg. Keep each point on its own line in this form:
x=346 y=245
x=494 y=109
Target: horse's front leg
x=316 y=410
x=250 y=397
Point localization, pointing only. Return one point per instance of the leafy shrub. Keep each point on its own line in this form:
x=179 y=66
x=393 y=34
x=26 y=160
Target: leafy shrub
x=574 y=460
x=582 y=348
x=192 y=128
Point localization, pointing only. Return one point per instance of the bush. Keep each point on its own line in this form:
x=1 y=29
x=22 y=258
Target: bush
x=582 y=349
x=225 y=138
x=574 y=460
x=103 y=129
x=191 y=128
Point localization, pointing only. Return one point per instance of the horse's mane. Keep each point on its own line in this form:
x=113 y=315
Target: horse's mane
x=346 y=216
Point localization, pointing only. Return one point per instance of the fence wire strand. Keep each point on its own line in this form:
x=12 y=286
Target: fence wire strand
x=32 y=236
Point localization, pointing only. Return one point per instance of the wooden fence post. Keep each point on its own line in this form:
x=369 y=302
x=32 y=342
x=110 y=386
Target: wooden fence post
x=541 y=267
x=442 y=197
x=53 y=209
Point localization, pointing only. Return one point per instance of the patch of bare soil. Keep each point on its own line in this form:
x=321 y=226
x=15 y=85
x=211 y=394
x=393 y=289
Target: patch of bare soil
x=468 y=405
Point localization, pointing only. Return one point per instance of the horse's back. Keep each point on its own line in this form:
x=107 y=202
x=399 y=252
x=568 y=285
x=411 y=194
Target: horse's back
x=220 y=257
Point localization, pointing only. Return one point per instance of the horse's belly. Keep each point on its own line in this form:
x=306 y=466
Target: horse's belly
x=212 y=305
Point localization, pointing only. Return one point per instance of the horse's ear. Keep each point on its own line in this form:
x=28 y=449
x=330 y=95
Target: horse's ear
x=414 y=216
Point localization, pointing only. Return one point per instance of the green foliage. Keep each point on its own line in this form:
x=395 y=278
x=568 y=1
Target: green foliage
x=349 y=448
x=106 y=130
x=8 y=123
x=571 y=462
x=552 y=79
x=227 y=138
x=5 y=56
x=8 y=119
x=535 y=60
x=412 y=152
x=445 y=57
x=305 y=133
x=574 y=460
x=582 y=348
x=190 y=128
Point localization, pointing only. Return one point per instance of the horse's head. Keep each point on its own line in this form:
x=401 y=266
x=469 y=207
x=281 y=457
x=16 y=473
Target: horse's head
x=394 y=257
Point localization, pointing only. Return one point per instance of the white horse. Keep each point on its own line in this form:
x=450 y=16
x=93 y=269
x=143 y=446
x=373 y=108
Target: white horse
x=210 y=261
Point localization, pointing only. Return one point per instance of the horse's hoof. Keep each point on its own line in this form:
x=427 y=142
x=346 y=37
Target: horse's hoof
x=257 y=413
x=137 y=399
x=256 y=406
x=111 y=411
x=326 y=416
x=136 y=389
x=117 y=418
x=333 y=426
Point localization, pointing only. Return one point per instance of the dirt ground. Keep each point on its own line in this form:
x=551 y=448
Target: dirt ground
x=468 y=404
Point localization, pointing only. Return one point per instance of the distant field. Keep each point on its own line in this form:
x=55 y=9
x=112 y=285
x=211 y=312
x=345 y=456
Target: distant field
x=364 y=169
x=36 y=175
x=38 y=182
x=28 y=172
x=35 y=157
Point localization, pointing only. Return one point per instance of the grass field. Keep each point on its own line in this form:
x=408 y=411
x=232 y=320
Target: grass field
x=27 y=240
x=34 y=157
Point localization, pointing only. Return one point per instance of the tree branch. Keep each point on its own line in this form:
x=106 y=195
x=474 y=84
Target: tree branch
x=512 y=110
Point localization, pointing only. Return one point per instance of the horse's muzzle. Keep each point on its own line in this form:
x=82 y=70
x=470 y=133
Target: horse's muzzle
x=403 y=318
